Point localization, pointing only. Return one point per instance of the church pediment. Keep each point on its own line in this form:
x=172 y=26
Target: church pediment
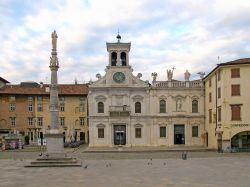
x=137 y=98
x=119 y=77
x=100 y=98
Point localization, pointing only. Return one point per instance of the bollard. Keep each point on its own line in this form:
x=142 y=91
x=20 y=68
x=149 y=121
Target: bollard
x=184 y=155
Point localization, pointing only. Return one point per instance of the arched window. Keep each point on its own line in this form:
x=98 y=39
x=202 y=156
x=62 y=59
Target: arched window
x=113 y=58
x=123 y=59
x=162 y=106
x=100 y=107
x=137 y=107
x=194 y=106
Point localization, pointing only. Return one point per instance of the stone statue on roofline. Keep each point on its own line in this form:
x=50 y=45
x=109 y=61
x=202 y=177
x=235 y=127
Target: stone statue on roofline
x=186 y=75
x=154 y=75
x=170 y=74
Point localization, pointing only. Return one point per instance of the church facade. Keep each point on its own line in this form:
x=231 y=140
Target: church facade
x=126 y=111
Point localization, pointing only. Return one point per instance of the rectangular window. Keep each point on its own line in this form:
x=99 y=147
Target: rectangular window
x=162 y=132
x=219 y=75
x=61 y=99
x=235 y=73
x=62 y=107
x=195 y=106
x=137 y=132
x=30 y=107
x=195 y=132
x=30 y=121
x=39 y=107
x=210 y=97
x=62 y=121
x=81 y=107
x=40 y=121
x=12 y=99
x=210 y=115
x=82 y=120
x=235 y=89
x=236 y=112
x=162 y=106
x=12 y=107
x=219 y=114
x=39 y=98
x=100 y=132
x=30 y=99
x=210 y=82
x=219 y=92
x=13 y=121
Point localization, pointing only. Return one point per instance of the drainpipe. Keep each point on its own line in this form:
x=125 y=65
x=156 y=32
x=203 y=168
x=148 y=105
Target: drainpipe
x=216 y=107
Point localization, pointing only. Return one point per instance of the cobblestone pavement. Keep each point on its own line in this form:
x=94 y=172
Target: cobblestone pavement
x=119 y=168
x=114 y=155
x=193 y=172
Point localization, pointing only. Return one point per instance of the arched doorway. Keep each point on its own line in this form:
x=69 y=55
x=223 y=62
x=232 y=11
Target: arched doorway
x=241 y=140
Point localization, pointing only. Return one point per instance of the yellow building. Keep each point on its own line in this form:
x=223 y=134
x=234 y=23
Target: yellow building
x=227 y=105
x=31 y=110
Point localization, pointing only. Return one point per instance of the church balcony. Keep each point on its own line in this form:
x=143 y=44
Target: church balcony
x=123 y=108
x=119 y=111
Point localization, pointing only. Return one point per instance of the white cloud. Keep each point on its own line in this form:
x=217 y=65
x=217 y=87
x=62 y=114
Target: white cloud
x=188 y=35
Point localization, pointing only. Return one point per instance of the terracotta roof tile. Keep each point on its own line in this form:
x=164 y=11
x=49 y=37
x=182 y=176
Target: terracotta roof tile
x=64 y=89
x=2 y=79
x=238 y=61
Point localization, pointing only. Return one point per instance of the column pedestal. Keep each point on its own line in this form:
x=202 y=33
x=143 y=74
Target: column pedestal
x=54 y=143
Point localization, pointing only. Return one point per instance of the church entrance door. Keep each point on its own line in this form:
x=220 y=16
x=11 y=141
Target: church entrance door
x=119 y=134
x=179 y=134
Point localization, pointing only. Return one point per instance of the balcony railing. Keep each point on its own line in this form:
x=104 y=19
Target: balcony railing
x=179 y=84
x=119 y=111
x=123 y=108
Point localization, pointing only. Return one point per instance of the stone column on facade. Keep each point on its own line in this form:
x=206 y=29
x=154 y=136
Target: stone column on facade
x=171 y=133
x=119 y=62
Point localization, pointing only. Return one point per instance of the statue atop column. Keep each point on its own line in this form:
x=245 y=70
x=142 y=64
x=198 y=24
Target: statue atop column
x=53 y=59
x=186 y=75
x=54 y=40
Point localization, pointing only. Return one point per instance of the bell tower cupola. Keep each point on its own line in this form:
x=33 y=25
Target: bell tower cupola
x=118 y=53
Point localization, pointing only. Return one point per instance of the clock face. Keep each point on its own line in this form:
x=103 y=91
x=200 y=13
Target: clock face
x=119 y=77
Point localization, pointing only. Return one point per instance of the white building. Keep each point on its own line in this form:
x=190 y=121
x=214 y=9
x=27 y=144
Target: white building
x=125 y=110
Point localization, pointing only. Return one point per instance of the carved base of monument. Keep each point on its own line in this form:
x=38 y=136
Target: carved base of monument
x=55 y=156
x=54 y=143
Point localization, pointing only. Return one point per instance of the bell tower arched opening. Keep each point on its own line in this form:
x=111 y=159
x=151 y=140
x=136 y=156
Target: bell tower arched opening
x=123 y=59
x=113 y=59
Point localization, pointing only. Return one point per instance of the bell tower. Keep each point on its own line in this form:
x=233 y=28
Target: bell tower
x=118 y=53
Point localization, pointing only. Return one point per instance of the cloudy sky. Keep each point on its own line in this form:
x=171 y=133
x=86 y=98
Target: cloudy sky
x=187 y=34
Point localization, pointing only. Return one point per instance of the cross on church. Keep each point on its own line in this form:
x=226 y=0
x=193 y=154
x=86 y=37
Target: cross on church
x=173 y=68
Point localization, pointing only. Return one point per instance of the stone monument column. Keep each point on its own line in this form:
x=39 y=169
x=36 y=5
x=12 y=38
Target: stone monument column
x=53 y=136
x=55 y=156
